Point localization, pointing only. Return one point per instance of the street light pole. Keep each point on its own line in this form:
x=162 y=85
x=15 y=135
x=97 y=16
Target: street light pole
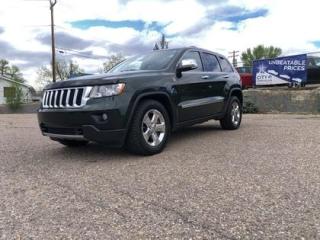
x=52 y=4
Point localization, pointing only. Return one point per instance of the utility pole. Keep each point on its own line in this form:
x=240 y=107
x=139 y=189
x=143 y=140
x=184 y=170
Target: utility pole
x=52 y=4
x=234 y=56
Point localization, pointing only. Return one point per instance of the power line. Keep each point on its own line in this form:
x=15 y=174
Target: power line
x=35 y=26
x=44 y=25
x=79 y=53
x=34 y=0
x=38 y=1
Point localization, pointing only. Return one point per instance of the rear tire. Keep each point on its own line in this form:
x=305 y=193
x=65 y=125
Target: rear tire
x=150 y=129
x=233 y=116
x=73 y=143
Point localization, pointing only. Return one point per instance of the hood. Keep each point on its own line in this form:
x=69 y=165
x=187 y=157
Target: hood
x=101 y=79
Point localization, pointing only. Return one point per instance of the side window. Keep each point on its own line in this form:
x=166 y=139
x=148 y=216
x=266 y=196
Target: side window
x=225 y=65
x=196 y=57
x=9 y=92
x=210 y=63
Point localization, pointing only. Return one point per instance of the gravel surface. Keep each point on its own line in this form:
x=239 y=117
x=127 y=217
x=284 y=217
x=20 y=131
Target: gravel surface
x=260 y=182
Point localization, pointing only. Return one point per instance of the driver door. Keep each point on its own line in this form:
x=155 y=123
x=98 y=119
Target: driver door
x=191 y=89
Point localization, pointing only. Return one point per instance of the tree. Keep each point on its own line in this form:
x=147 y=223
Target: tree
x=15 y=98
x=44 y=76
x=67 y=70
x=12 y=71
x=259 y=52
x=64 y=70
x=15 y=74
x=4 y=66
x=156 y=47
x=113 y=60
x=163 y=44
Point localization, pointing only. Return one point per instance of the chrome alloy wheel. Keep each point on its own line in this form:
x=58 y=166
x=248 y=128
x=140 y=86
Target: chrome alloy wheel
x=235 y=113
x=153 y=127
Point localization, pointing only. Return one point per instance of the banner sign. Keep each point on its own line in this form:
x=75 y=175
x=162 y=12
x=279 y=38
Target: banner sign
x=282 y=70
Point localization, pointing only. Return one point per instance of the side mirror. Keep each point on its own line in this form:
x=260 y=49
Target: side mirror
x=187 y=65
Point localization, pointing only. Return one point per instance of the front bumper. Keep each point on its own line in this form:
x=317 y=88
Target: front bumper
x=83 y=125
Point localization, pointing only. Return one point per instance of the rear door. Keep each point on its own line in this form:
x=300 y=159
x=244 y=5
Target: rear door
x=216 y=81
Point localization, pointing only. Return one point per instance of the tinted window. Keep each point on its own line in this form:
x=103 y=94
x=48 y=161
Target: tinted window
x=225 y=65
x=314 y=62
x=210 y=63
x=195 y=56
x=244 y=70
x=155 y=60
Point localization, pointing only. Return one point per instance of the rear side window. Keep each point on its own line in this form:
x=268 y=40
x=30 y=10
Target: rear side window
x=195 y=56
x=225 y=65
x=210 y=63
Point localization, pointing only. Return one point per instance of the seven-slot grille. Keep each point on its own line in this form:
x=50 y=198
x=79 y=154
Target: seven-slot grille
x=66 y=97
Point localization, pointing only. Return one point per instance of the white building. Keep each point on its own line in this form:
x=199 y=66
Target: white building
x=7 y=88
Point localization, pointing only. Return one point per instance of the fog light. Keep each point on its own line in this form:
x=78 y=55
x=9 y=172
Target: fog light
x=104 y=117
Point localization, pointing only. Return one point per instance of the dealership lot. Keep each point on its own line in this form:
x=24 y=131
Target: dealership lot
x=260 y=182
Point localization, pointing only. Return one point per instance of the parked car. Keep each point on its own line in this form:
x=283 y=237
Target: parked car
x=313 y=70
x=142 y=100
x=246 y=76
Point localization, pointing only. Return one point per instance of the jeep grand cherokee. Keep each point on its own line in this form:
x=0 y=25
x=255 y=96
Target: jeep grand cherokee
x=142 y=100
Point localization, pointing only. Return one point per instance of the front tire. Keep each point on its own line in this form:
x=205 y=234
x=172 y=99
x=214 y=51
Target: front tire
x=233 y=117
x=150 y=129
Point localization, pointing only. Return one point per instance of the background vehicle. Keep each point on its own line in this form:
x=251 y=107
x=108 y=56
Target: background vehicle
x=142 y=100
x=313 y=70
x=246 y=76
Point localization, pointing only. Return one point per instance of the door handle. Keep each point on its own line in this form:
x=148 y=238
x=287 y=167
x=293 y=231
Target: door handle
x=226 y=77
x=205 y=77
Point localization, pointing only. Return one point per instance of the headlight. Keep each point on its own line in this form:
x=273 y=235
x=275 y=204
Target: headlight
x=107 y=90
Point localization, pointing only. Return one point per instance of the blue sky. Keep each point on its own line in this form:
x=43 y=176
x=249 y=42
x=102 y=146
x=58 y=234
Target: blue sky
x=138 y=25
x=317 y=43
x=237 y=15
x=227 y=13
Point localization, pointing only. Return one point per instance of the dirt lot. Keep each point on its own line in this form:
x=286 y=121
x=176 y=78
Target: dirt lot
x=260 y=182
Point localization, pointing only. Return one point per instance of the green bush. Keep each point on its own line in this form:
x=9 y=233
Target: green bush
x=15 y=100
x=249 y=107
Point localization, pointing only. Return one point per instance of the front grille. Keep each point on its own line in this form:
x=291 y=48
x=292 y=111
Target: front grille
x=66 y=97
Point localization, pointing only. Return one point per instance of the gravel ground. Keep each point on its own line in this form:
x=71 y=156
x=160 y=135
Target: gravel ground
x=260 y=182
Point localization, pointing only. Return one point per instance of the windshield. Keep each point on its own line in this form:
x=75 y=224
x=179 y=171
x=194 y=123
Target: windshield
x=317 y=62
x=155 y=60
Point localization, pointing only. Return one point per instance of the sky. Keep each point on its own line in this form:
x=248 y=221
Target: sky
x=90 y=31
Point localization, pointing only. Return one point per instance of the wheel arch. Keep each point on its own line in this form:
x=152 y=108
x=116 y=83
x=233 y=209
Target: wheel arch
x=237 y=92
x=234 y=91
x=161 y=97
